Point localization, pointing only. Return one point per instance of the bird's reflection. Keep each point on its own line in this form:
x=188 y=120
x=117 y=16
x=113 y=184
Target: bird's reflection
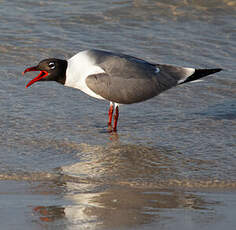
x=117 y=207
x=120 y=188
x=49 y=213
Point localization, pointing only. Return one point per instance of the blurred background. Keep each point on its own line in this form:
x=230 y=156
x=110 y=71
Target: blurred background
x=172 y=163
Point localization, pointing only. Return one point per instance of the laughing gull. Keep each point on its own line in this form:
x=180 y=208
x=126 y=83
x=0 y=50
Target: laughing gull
x=118 y=78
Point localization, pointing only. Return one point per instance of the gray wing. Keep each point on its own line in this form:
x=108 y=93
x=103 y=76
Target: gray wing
x=122 y=90
x=129 y=80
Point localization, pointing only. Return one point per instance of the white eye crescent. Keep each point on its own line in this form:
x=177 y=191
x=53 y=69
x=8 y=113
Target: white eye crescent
x=52 y=65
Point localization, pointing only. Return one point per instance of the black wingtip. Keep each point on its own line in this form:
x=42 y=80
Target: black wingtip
x=215 y=70
x=199 y=73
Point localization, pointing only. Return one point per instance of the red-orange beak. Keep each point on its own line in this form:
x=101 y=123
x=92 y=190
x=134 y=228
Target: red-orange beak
x=41 y=75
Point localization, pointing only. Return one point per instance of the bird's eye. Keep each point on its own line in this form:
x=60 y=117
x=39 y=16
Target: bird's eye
x=52 y=65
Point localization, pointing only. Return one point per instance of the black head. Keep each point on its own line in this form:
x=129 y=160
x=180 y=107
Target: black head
x=51 y=69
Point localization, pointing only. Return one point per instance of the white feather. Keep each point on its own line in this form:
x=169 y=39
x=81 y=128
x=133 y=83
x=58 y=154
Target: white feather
x=187 y=72
x=80 y=66
x=196 y=81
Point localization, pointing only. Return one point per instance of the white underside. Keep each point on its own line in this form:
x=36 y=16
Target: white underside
x=79 y=68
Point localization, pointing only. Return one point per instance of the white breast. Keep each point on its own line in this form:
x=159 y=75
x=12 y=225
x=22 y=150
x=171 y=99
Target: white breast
x=80 y=66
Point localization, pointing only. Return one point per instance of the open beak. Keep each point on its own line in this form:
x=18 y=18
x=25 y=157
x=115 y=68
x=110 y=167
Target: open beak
x=41 y=75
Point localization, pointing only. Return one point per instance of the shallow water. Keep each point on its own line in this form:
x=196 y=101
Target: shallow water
x=173 y=161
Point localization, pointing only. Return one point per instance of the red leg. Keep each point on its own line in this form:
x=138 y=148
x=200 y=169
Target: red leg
x=110 y=114
x=116 y=119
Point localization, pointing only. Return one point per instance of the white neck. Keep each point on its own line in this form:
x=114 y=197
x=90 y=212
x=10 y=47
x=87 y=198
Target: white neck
x=80 y=66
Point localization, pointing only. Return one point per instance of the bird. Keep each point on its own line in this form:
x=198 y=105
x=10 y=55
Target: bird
x=115 y=77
